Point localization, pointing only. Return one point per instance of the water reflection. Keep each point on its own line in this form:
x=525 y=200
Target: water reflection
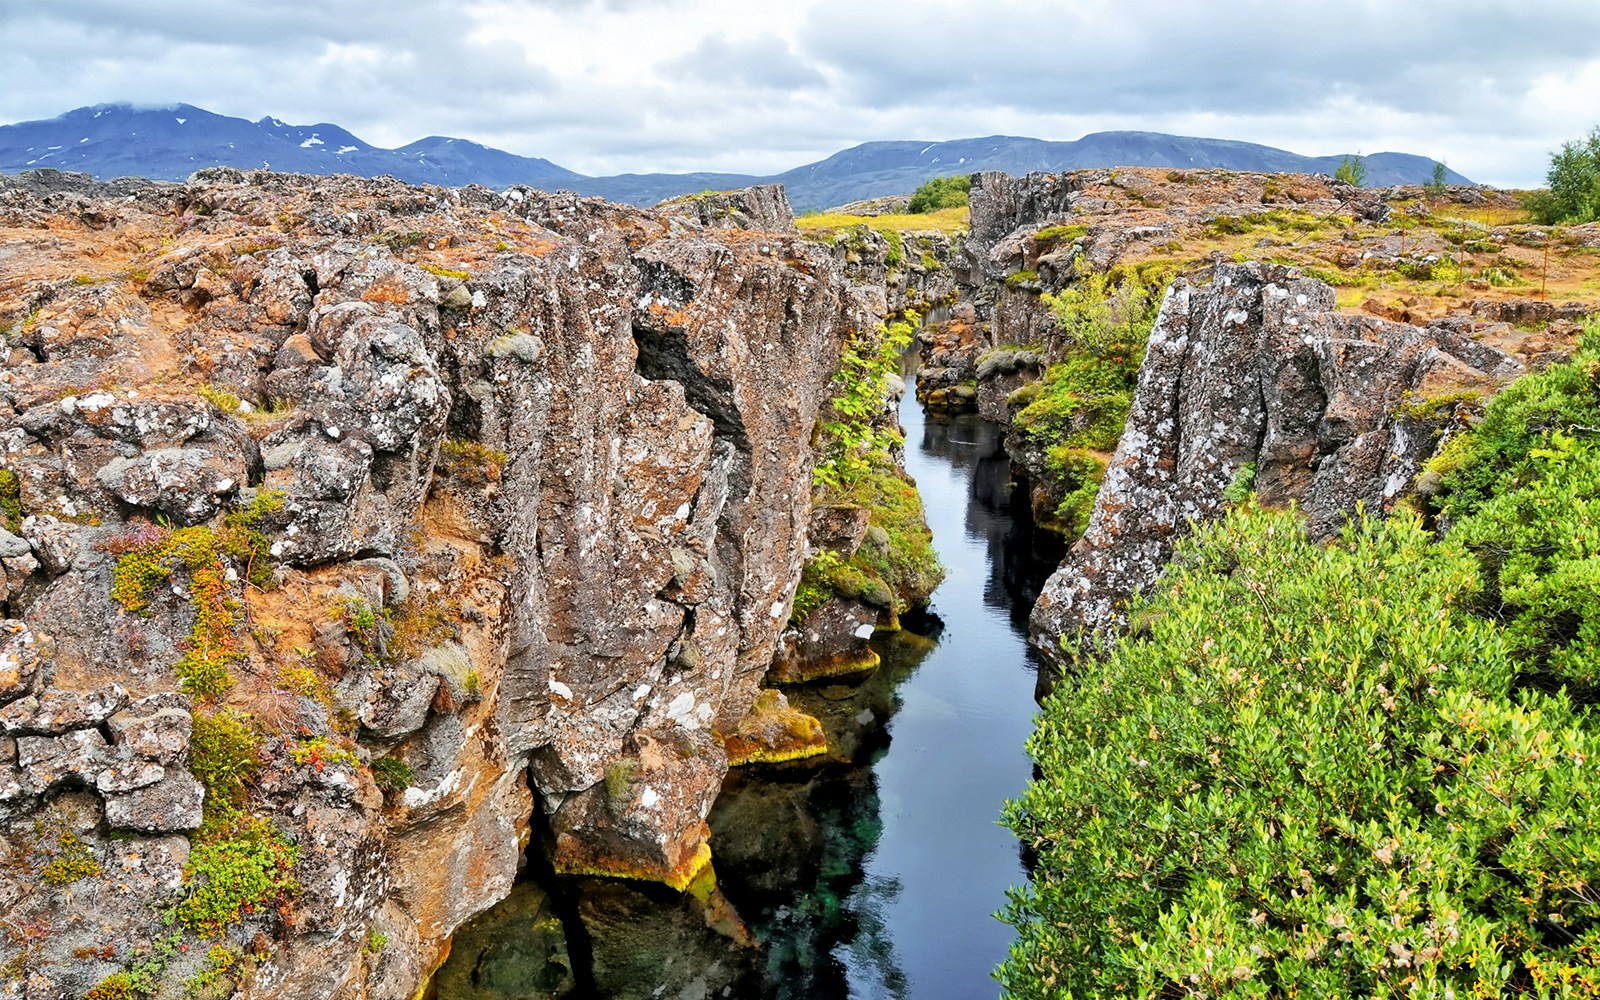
x=875 y=873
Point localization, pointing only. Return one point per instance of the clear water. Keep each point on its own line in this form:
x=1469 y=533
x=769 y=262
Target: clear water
x=876 y=874
x=942 y=863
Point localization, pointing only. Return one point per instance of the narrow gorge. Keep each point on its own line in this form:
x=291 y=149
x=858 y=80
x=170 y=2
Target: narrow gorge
x=511 y=594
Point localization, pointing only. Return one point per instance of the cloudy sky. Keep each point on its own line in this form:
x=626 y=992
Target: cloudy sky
x=758 y=86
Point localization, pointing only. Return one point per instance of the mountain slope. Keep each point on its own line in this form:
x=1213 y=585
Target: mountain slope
x=114 y=140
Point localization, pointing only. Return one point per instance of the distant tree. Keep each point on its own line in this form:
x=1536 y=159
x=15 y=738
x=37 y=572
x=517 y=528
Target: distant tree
x=1436 y=185
x=1352 y=170
x=941 y=192
x=1574 y=179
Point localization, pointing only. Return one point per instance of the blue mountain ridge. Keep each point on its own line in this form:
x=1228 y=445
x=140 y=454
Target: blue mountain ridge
x=169 y=143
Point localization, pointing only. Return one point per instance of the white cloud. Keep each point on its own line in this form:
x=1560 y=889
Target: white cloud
x=605 y=86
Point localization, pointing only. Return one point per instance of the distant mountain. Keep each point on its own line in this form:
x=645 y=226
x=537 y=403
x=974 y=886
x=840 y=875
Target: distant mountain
x=117 y=140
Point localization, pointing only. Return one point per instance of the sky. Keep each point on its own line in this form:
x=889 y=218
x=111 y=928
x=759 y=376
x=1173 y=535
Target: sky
x=760 y=86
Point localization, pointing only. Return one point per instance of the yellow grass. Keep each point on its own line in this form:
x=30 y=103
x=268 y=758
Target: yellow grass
x=946 y=220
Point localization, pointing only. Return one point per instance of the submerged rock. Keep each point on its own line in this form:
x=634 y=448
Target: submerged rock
x=517 y=951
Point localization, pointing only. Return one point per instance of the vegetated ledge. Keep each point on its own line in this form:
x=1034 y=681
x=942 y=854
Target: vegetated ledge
x=523 y=479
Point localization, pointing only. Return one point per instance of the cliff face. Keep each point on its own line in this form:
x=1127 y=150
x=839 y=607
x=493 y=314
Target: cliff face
x=520 y=485
x=1256 y=375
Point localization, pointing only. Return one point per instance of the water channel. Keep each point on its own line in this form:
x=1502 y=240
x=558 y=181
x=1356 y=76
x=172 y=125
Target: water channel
x=875 y=875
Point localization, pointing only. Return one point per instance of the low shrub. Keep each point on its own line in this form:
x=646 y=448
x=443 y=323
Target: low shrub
x=1308 y=774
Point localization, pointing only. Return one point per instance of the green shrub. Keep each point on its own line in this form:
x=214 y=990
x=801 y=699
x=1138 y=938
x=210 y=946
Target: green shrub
x=1307 y=776
x=392 y=775
x=225 y=757
x=1540 y=544
x=940 y=192
x=1085 y=470
x=1499 y=454
x=1574 y=178
x=848 y=437
x=1522 y=490
x=1436 y=186
x=232 y=877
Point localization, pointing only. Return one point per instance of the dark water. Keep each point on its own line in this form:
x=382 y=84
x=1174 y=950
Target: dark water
x=955 y=754
x=876 y=874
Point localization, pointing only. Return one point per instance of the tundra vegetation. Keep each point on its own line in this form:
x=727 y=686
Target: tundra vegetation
x=897 y=567
x=1363 y=768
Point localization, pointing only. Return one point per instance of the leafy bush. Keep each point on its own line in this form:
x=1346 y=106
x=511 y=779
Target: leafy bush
x=1307 y=776
x=1574 y=179
x=940 y=192
x=1522 y=490
x=1081 y=403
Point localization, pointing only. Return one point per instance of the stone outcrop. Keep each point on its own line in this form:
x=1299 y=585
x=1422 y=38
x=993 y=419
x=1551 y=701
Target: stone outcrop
x=763 y=207
x=1256 y=370
x=524 y=485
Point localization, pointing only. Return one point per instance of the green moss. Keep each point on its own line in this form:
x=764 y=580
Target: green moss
x=73 y=860
x=148 y=555
x=470 y=462
x=895 y=256
x=619 y=781
x=117 y=986
x=1081 y=403
x=1019 y=278
x=1061 y=234
x=445 y=272
x=10 y=499
x=1421 y=407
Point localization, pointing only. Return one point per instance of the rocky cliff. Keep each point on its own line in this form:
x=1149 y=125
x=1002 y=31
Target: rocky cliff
x=348 y=520
x=1254 y=379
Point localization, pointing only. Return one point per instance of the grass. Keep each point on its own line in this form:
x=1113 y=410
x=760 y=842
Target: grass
x=946 y=220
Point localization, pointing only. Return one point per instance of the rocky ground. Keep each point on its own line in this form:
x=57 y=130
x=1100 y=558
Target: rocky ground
x=344 y=521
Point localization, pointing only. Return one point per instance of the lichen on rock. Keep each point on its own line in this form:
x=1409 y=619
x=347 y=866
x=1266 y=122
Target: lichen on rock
x=541 y=471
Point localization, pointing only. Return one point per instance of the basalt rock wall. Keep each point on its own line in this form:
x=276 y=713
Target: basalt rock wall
x=529 y=479
x=1256 y=373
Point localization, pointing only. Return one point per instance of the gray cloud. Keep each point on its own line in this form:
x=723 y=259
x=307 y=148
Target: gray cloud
x=765 y=62
x=640 y=85
x=1249 y=57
